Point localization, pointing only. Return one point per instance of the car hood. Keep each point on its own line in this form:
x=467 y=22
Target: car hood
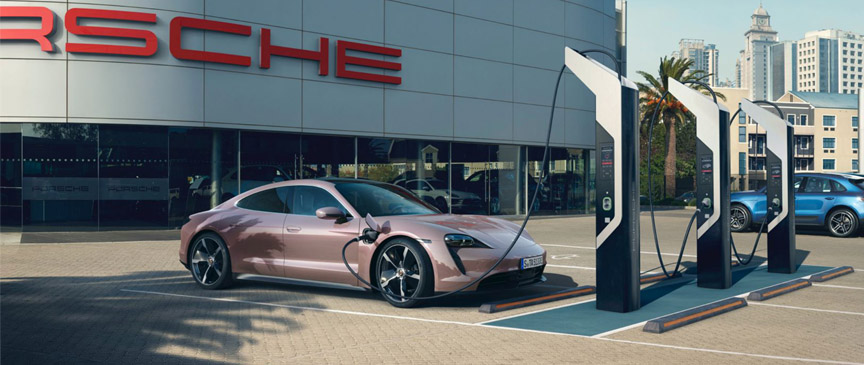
x=494 y=232
x=463 y=194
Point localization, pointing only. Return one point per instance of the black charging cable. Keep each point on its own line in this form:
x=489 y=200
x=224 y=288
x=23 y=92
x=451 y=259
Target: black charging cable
x=369 y=235
x=765 y=219
x=651 y=184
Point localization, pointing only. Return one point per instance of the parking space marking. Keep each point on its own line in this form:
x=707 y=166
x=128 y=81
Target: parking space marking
x=227 y=300
x=325 y=310
x=806 y=308
x=607 y=333
x=592 y=248
x=572 y=267
x=838 y=286
x=774 y=357
x=698 y=349
x=532 y=312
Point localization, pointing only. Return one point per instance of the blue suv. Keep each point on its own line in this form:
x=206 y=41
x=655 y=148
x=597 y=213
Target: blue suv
x=833 y=201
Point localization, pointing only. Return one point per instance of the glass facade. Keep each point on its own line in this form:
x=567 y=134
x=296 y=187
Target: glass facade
x=80 y=177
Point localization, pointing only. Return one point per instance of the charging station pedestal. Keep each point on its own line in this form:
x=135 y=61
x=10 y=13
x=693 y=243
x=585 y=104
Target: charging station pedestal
x=616 y=182
x=781 y=187
x=712 y=187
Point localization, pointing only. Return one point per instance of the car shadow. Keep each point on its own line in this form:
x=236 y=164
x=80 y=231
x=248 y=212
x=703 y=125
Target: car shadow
x=55 y=319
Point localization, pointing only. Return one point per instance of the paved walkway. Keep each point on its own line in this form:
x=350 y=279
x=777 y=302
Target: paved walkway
x=133 y=302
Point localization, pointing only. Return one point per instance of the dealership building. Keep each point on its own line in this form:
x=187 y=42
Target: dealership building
x=134 y=114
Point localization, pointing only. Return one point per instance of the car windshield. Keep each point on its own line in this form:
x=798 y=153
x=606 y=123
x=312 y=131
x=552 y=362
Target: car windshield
x=382 y=199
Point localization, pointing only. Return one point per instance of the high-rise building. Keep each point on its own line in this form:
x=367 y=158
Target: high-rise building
x=739 y=70
x=755 y=63
x=784 y=72
x=704 y=57
x=712 y=62
x=830 y=61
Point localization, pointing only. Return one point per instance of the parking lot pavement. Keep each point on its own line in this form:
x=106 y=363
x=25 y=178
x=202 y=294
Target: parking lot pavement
x=133 y=302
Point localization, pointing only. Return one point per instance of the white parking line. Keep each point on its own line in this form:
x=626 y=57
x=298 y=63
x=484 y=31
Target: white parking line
x=726 y=352
x=572 y=267
x=698 y=349
x=534 y=311
x=607 y=333
x=297 y=307
x=839 y=286
x=805 y=308
x=592 y=248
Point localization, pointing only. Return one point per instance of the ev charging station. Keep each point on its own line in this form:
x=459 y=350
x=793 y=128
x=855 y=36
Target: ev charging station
x=780 y=190
x=712 y=186
x=617 y=182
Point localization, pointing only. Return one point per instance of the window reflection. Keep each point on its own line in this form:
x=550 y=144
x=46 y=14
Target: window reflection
x=133 y=176
x=327 y=156
x=419 y=166
x=192 y=162
x=10 y=177
x=565 y=189
x=265 y=158
x=60 y=177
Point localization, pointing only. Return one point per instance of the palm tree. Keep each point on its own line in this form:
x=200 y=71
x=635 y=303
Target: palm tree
x=671 y=111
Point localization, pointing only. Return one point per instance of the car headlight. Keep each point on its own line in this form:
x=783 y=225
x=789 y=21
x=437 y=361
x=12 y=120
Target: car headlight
x=462 y=240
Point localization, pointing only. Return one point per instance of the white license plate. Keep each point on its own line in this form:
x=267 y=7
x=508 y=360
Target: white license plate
x=530 y=262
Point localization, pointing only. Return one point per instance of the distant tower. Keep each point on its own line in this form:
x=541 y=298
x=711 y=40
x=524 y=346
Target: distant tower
x=755 y=68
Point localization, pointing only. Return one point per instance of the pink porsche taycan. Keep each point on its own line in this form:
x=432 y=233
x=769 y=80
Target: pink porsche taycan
x=295 y=231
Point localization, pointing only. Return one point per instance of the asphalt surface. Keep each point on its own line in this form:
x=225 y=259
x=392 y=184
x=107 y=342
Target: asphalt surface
x=133 y=302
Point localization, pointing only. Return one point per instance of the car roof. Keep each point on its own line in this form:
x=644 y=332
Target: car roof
x=834 y=174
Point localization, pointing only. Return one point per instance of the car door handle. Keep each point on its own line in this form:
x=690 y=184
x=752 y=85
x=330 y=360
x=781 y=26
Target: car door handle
x=829 y=198
x=293 y=229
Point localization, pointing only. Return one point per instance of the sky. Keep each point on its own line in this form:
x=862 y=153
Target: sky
x=656 y=26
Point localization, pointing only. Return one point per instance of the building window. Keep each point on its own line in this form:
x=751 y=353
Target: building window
x=791 y=118
x=855 y=143
x=742 y=116
x=757 y=163
x=854 y=122
x=802 y=120
x=742 y=134
x=828 y=164
x=828 y=142
x=854 y=165
x=828 y=120
x=742 y=163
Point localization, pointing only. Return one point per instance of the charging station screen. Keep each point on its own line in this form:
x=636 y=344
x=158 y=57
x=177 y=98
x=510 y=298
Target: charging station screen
x=706 y=168
x=607 y=158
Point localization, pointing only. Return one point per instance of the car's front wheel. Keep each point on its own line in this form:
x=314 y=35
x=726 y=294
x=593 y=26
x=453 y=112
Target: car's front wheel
x=210 y=262
x=403 y=269
x=842 y=223
x=740 y=219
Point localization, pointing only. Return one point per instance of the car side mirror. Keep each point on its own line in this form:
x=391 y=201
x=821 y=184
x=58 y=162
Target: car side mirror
x=330 y=213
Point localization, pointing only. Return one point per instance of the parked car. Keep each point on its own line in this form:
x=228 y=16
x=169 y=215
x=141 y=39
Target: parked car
x=251 y=177
x=491 y=185
x=434 y=191
x=830 y=200
x=686 y=197
x=295 y=231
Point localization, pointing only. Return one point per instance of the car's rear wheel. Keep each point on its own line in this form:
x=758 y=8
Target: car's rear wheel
x=210 y=262
x=842 y=223
x=740 y=218
x=403 y=269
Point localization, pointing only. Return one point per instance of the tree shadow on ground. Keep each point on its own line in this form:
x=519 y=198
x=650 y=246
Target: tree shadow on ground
x=90 y=319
